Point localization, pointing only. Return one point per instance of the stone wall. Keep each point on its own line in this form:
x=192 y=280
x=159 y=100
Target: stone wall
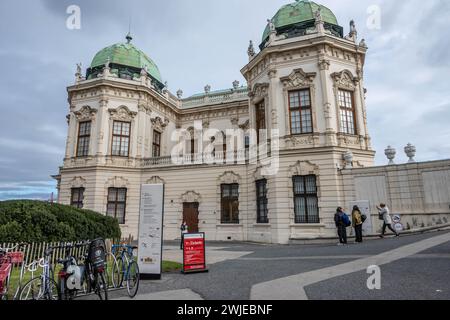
x=418 y=192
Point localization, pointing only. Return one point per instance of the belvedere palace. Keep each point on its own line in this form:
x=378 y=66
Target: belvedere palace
x=266 y=162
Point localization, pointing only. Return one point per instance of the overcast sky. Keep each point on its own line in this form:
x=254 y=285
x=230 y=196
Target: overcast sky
x=199 y=42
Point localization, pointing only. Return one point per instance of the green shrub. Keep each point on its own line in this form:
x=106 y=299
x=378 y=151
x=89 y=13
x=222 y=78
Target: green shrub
x=35 y=221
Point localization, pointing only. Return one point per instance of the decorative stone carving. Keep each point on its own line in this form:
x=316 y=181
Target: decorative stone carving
x=348 y=159
x=117 y=182
x=229 y=177
x=390 y=154
x=324 y=64
x=78 y=182
x=345 y=80
x=298 y=78
x=234 y=121
x=180 y=94
x=297 y=141
x=251 y=50
x=353 y=35
x=245 y=126
x=363 y=44
x=410 y=151
x=122 y=114
x=159 y=124
x=303 y=168
x=260 y=90
x=235 y=85
x=155 y=180
x=191 y=197
x=207 y=89
x=86 y=113
x=206 y=124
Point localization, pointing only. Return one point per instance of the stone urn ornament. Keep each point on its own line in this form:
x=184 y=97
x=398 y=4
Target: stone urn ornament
x=390 y=154
x=410 y=151
x=348 y=158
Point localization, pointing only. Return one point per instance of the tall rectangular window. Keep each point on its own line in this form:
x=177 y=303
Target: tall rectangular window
x=260 y=118
x=156 y=144
x=84 y=137
x=121 y=139
x=261 y=201
x=230 y=203
x=347 y=112
x=117 y=202
x=306 y=203
x=77 y=197
x=300 y=111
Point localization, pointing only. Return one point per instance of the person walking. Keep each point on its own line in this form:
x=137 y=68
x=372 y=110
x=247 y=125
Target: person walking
x=385 y=215
x=341 y=225
x=357 y=222
x=184 y=230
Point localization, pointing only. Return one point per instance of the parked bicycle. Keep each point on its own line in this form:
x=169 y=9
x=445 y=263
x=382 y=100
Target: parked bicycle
x=44 y=286
x=127 y=268
x=9 y=257
x=88 y=277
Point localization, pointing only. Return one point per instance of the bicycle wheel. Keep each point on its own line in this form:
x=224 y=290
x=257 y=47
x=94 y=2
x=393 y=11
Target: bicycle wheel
x=133 y=278
x=35 y=289
x=101 y=289
x=112 y=271
x=120 y=269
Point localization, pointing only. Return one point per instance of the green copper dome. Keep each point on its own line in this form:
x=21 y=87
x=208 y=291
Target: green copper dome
x=126 y=55
x=299 y=12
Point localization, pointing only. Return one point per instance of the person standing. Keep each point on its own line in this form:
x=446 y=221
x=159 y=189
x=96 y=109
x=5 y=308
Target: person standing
x=384 y=214
x=184 y=230
x=357 y=221
x=341 y=226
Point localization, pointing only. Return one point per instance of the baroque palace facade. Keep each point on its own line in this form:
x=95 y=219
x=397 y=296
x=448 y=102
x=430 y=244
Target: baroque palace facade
x=306 y=84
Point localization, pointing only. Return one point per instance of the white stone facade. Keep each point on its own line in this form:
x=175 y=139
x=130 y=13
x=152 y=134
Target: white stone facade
x=319 y=62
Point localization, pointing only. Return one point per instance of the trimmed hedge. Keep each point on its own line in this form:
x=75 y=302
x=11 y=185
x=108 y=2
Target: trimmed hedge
x=36 y=221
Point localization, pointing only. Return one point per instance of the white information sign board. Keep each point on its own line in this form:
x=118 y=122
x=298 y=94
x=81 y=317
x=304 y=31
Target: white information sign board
x=364 y=206
x=151 y=217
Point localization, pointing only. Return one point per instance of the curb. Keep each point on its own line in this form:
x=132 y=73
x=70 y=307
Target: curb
x=332 y=240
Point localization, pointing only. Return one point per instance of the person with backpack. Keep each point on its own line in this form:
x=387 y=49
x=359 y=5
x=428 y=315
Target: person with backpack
x=342 y=221
x=184 y=230
x=357 y=222
x=384 y=214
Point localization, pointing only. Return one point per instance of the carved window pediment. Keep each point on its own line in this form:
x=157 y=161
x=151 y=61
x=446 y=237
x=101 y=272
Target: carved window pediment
x=191 y=197
x=298 y=78
x=229 y=177
x=86 y=114
x=303 y=168
x=155 y=180
x=78 y=182
x=122 y=114
x=345 y=80
x=159 y=124
x=260 y=90
x=117 y=182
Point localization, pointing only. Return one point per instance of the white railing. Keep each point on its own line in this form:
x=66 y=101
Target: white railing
x=243 y=156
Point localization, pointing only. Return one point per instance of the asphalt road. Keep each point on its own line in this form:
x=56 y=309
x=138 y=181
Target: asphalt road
x=424 y=275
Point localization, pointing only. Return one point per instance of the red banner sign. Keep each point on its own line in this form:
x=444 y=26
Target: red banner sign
x=194 y=256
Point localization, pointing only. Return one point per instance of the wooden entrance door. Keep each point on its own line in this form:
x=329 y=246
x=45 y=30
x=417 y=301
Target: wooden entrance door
x=190 y=215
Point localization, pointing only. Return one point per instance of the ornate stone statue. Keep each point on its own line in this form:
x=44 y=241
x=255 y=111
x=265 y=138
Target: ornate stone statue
x=410 y=151
x=363 y=43
x=318 y=16
x=390 y=154
x=207 y=89
x=271 y=25
x=107 y=63
x=180 y=94
x=79 y=69
x=251 y=50
x=235 y=84
x=348 y=158
x=353 y=35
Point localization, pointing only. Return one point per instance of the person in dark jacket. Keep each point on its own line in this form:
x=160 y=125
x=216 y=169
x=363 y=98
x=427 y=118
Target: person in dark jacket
x=340 y=225
x=184 y=230
x=357 y=222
